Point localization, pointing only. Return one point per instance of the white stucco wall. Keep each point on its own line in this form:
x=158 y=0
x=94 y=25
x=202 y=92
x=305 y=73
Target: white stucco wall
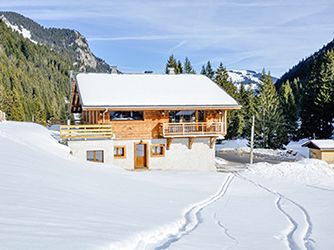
x=179 y=156
x=79 y=148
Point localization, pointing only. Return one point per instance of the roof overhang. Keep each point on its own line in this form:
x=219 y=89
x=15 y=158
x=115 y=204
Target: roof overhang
x=164 y=107
x=310 y=144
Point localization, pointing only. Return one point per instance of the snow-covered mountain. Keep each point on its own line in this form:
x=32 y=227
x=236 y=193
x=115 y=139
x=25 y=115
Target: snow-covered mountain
x=249 y=77
x=20 y=29
x=66 y=41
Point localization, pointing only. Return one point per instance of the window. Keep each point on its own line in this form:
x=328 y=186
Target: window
x=126 y=115
x=158 y=150
x=119 y=152
x=186 y=116
x=95 y=155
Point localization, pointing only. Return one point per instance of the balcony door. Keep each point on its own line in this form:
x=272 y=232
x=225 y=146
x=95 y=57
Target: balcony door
x=140 y=155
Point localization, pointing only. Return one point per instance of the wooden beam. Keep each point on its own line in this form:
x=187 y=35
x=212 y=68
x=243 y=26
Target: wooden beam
x=169 y=142
x=212 y=141
x=190 y=142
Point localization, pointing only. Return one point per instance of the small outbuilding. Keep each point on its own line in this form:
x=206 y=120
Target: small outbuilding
x=321 y=149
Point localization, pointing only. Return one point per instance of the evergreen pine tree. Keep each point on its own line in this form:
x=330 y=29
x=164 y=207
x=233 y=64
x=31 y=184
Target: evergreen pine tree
x=324 y=97
x=171 y=63
x=289 y=109
x=203 y=72
x=222 y=79
x=188 y=68
x=247 y=101
x=17 y=111
x=209 y=71
x=308 y=113
x=179 y=69
x=235 y=119
x=317 y=102
x=269 y=120
x=2 y=96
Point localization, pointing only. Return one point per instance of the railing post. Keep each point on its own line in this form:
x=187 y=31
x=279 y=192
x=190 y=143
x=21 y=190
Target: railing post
x=163 y=129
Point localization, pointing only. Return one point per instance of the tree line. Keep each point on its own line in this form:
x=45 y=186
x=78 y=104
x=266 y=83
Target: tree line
x=290 y=112
x=34 y=80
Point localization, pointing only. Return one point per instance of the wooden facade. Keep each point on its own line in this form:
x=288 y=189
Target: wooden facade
x=323 y=154
x=155 y=123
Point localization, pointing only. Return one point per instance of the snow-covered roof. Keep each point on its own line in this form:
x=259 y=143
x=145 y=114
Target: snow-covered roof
x=320 y=144
x=151 y=90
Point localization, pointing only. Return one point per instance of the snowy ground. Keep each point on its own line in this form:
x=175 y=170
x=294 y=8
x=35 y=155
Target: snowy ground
x=49 y=200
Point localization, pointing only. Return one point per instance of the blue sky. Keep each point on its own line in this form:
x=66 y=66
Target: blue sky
x=243 y=34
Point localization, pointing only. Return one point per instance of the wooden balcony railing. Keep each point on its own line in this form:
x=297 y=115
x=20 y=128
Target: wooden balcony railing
x=86 y=132
x=193 y=129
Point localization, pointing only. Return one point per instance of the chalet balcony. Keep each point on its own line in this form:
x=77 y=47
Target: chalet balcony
x=193 y=129
x=68 y=132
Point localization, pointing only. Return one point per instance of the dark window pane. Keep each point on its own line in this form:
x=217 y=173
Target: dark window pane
x=96 y=156
x=119 y=151
x=140 y=149
x=126 y=115
x=99 y=156
x=90 y=155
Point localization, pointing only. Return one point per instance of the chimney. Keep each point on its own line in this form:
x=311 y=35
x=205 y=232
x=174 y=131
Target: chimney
x=113 y=70
x=171 y=71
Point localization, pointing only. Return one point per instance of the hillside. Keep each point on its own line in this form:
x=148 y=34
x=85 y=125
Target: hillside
x=312 y=83
x=34 y=80
x=66 y=41
x=303 y=69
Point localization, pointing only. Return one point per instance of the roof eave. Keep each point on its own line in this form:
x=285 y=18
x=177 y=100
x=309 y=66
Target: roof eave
x=162 y=107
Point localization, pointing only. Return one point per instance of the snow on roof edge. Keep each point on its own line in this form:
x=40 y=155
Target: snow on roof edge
x=320 y=143
x=182 y=90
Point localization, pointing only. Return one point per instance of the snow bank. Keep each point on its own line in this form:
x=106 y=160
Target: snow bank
x=308 y=171
x=32 y=136
x=297 y=147
x=221 y=161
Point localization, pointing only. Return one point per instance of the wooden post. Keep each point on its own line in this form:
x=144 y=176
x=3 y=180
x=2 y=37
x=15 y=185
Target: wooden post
x=190 y=142
x=252 y=141
x=212 y=141
x=169 y=142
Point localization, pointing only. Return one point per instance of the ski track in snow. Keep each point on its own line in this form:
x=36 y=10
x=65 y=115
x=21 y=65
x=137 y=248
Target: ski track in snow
x=165 y=236
x=292 y=243
x=293 y=223
x=225 y=229
x=193 y=216
x=321 y=188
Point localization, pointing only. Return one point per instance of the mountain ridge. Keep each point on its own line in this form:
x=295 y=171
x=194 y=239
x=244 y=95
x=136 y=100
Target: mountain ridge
x=248 y=77
x=59 y=39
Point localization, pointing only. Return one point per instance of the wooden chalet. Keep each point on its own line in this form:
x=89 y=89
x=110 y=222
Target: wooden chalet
x=146 y=109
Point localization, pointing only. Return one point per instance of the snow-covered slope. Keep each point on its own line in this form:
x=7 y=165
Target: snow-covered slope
x=49 y=200
x=249 y=77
